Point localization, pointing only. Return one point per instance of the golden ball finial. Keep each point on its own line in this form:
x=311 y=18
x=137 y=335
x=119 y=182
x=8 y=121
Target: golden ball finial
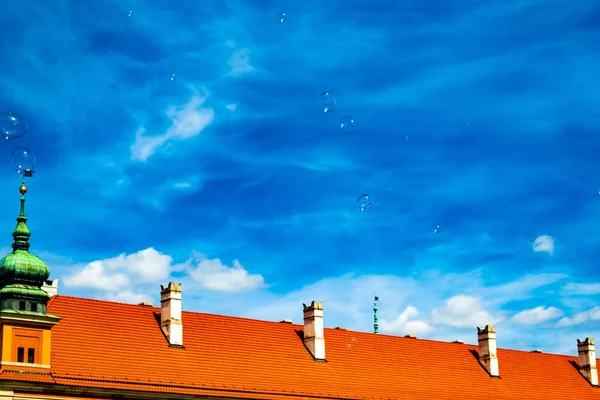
x=23 y=189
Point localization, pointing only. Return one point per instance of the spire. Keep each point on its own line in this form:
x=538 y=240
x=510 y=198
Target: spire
x=21 y=233
x=375 y=321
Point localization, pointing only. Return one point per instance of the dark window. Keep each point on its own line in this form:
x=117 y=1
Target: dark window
x=31 y=356
x=33 y=306
x=20 y=354
x=22 y=305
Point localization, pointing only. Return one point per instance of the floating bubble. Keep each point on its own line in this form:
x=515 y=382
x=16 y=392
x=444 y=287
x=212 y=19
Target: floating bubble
x=352 y=342
x=347 y=124
x=130 y=13
x=437 y=229
x=22 y=160
x=13 y=125
x=327 y=102
x=364 y=201
x=282 y=17
x=172 y=77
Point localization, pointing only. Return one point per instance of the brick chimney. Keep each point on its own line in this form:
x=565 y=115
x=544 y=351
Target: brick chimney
x=587 y=360
x=51 y=287
x=170 y=313
x=314 y=339
x=488 y=357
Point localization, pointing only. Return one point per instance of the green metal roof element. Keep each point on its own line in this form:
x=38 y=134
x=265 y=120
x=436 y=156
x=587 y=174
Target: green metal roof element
x=22 y=274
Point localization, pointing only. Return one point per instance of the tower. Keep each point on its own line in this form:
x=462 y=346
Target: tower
x=25 y=326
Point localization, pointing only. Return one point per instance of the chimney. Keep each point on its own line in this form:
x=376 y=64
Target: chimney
x=51 y=287
x=487 y=350
x=587 y=360
x=170 y=313
x=314 y=339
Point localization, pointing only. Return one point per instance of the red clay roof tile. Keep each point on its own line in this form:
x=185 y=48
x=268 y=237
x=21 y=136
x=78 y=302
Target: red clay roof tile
x=113 y=345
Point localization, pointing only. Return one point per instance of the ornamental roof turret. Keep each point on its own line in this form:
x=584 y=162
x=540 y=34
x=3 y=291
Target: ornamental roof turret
x=22 y=274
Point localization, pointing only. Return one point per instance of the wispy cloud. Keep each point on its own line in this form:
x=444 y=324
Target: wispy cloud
x=581 y=289
x=579 y=318
x=543 y=243
x=537 y=315
x=240 y=62
x=187 y=121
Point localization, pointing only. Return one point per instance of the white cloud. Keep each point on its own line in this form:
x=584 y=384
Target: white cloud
x=537 y=315
x=463 y=312
x=592 y=314
x=214 y=275
x=119 y=276
x=129 y=297
x=231 y=107
x=581 y=289
x=113 y=274
x=543 y=243
x=404 y=324
x=240 y=62
x=187 y=121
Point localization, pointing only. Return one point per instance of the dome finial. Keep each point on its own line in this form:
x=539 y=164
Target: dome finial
x=21 y=233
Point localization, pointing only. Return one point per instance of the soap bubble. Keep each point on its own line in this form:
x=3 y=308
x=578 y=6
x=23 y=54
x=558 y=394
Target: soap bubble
x=130 y=13
x=13 y=125
x=22 y=160
x=364 y=201
x=437 y=229
x=327 y=102
x=352 y=342
x=172 y=77
x=347 y=124
x=282 y=17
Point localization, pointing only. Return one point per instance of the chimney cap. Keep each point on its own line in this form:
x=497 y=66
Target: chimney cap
x=341 y=328
x=585 y=342
x=536 y=351
x=286 y=321
x=459 y=341
x=145 y=303
x=487 y=329
x=314 y=305
x=171 y=287
x=411 y=336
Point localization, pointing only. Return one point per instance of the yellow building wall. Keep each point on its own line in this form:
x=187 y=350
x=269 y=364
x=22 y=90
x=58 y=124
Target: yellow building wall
x=46 y=341
x=7 y=335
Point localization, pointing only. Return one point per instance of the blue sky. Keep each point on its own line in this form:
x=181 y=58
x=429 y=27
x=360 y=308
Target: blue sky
x=480 y=117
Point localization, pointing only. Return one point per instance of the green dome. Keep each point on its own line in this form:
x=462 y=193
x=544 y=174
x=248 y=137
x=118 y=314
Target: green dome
x=22 y=267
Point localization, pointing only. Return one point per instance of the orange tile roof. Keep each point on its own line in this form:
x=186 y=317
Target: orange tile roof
x=103 y=344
